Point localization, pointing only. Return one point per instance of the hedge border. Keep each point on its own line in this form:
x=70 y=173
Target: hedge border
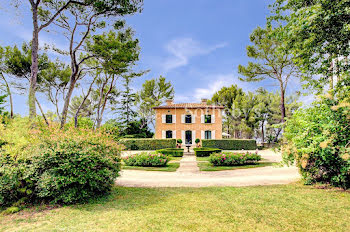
x=230 y=144
x=174 y=152
x=205 y=151
x=147 y=144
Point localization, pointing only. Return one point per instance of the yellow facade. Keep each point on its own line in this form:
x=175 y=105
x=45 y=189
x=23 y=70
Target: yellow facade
x=199 y=126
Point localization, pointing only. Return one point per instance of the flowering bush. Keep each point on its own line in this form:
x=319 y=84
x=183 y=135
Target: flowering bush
x=233 y=159
x=318 y=141
x=53 y=165
x=145 y=159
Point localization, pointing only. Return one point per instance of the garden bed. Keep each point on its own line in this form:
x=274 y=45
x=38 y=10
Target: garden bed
x=205 y=151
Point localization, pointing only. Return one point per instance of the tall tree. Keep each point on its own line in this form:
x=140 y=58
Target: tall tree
x=153 y=93
x=128 y=98
x=319 y=36
x=116 y=53
x=80 y=23
x=44 y=13
x=272 y=60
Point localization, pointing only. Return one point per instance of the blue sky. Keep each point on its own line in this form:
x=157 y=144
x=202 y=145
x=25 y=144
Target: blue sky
x=197 y=44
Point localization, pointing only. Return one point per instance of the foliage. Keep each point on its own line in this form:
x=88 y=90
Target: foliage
x=233 y=159
x=2 y=102
x=53 y=165
x=197 y=141
x=230 y=144
x=272 y=59
x=135 y=129
x=179 y=141
x=319 y=142
x=145 y=159
x=148 y=144
x=205 y=151
x=153 y=93
x=174 y=152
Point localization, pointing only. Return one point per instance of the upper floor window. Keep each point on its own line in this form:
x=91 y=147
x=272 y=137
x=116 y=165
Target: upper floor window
x=169 y=134
x=207 y=134
x=188 y=118
x=168 y=118
x=207 y=118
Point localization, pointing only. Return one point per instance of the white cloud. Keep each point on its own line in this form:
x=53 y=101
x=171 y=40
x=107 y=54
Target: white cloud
x=215 y=83
x=182 y=49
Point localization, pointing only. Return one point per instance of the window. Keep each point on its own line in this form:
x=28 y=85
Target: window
x=207 y=134
x=169 y=134
x=188 y=137
x=188 y=118
x=168 y=118
x=207 y=118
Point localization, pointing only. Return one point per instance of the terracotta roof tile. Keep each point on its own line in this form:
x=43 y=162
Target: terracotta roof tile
x=188 y=106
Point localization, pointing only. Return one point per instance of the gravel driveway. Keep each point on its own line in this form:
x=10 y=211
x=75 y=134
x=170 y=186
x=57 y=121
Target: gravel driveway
x=188 y=175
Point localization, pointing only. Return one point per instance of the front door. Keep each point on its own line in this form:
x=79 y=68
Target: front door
x=188 y=137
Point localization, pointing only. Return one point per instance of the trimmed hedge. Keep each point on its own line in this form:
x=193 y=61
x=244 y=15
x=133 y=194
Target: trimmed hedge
x=147 y=144
x=230 y=144
x=174 y=152
x=205 y=151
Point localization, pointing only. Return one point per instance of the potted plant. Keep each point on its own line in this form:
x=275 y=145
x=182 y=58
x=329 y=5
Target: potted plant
x=197 y=141
x=179 y=142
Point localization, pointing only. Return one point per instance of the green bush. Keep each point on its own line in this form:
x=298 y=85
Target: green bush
x=230 y=144
x=148 y=144
x=205 y=151
x=60 y=166
x=145 y=159
x=175 y=152
x=318 y=140
x=233 y=159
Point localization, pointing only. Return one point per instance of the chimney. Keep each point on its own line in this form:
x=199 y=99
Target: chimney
x=169 y=102
x=204 y=101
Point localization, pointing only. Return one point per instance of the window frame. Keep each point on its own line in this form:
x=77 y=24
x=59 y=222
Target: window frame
x=206 y=119
x=207 y=133
x=166 y=134
x=166 y=118
x=190 y=117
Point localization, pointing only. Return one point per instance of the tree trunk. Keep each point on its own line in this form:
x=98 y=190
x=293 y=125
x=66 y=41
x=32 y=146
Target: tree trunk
x=262 y=132
x=34 y=67
x=9 y=95
x=42 y=112
x=67 y=100
x=81 y=105
x=283 y=108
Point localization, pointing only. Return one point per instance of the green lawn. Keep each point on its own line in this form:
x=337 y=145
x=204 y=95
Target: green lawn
x=171 y=167
x=206 y=166
x=264 y=208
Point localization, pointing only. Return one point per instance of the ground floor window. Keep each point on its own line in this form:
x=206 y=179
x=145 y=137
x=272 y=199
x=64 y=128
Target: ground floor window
x=207 y=134
x=188 y=137
x=169 y=134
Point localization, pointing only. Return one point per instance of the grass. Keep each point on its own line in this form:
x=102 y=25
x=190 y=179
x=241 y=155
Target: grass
x=206 y=166
x=263 y=208
x=171 y=167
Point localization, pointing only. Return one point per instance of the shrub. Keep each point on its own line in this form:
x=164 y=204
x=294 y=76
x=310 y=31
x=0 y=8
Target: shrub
x=145 y=159
x=233 y=159
x=230 y=144
x=60 y=166
x=205 y=151
x=318 y=140
x=175 y=152
x=148 y=144
x=179 y=141
x=197 y=141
